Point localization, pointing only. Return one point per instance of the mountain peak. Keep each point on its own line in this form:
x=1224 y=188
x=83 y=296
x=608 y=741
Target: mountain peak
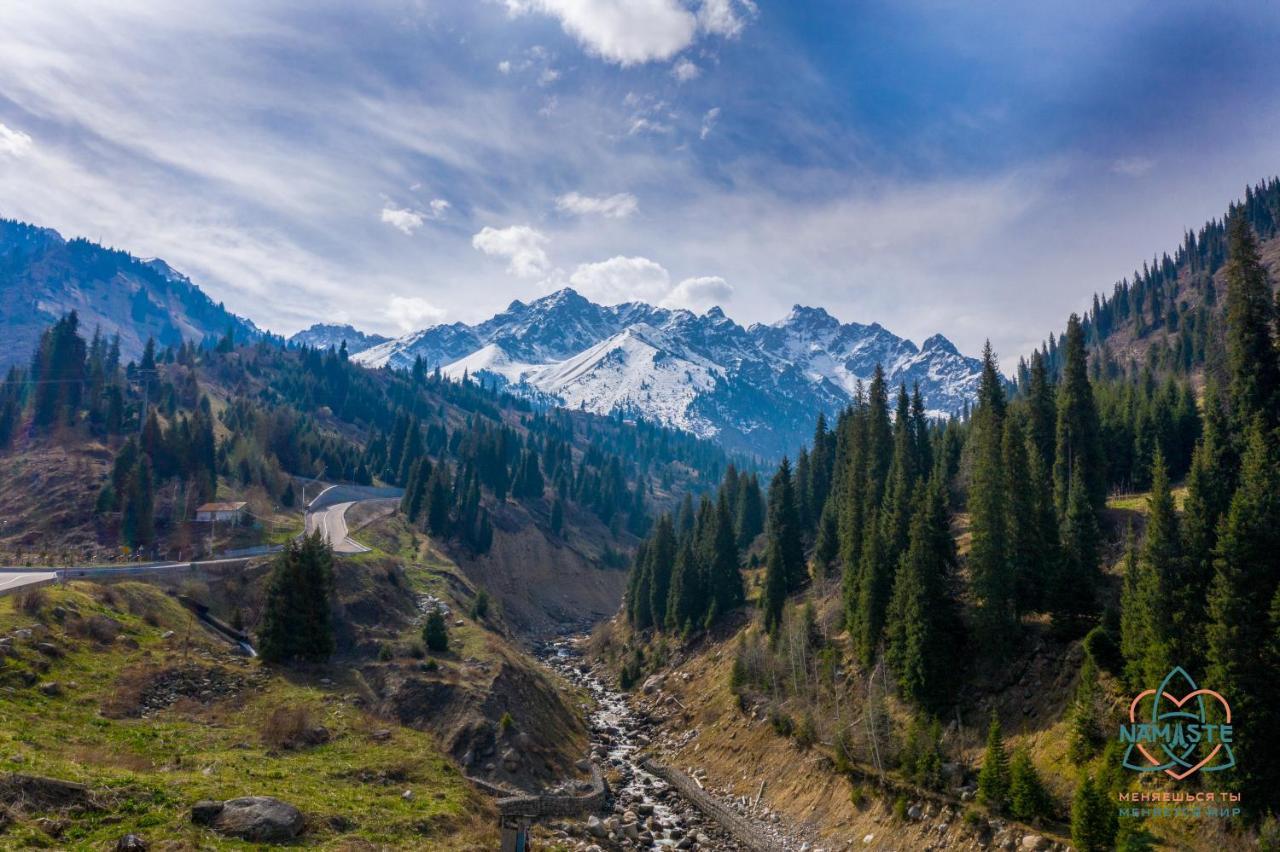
x=939 y=343
x=807 y=316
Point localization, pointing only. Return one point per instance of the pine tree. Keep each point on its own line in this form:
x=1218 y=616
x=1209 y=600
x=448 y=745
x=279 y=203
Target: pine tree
x=1086 y=723
x=639 y=612
x=1078 y=445
x=900 y=488
x=783 y=527
x=435 y=633
x=1161 y=577
x=993 y=779
x=1093 y=818
x=1251 y=354
x=686 y=599
x=826 y=547
x=1078 y=578
x=1210 y=484
x=774 y=599
x=875 y=585
x=749 y=519
x=720 y=555
x=1041 y=408
x=990 y=561
x=1135 y=622
x=924 y=625
x=1239 y=626
x=137 y=523
x=296 y=623
x=1024 y=550
x=1028 y=798
x=662 y=557
x=439 y=501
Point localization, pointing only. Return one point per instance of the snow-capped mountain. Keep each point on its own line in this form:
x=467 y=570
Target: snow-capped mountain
x=754 y=389
x=330 y=336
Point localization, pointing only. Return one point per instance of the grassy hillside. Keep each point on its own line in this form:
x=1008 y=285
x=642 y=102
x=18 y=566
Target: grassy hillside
x=118 y=688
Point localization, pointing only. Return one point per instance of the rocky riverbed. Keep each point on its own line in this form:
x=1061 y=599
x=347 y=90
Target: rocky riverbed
x=647 y=812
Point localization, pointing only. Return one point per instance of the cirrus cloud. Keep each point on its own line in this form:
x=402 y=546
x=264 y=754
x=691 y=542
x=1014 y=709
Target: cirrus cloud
x=618 y=206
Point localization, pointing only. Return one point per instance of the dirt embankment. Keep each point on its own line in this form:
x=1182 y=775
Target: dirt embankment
x=544 y=584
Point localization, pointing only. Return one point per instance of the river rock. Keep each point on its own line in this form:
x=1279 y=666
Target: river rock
x=595 y=827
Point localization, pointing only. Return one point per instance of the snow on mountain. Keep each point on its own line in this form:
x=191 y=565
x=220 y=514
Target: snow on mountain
x=329 y=336
x=755 y=389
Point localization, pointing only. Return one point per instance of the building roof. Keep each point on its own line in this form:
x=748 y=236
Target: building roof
x=221 y=507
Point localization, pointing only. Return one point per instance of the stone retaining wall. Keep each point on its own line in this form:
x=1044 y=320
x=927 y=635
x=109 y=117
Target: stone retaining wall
x=551 y=806
x=730 y=820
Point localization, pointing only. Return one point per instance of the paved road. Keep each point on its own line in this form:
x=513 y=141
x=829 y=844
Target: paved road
x=331 y=521
x=12 y=581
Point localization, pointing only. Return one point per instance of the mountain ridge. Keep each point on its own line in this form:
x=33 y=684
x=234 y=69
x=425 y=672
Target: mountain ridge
x=752 y=388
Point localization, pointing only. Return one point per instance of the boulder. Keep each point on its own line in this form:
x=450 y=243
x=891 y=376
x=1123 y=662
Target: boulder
x=131 y=843
x=258 y=819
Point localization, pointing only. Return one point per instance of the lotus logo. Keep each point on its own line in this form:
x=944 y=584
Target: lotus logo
x=1179 y=736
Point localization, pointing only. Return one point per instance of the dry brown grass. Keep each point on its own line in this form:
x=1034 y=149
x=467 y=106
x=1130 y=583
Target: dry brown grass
x=32 y=601
x=291 y=726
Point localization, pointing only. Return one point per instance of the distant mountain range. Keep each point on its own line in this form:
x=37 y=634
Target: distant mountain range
x=754 y=389
x=330 y=336
x=43 y=276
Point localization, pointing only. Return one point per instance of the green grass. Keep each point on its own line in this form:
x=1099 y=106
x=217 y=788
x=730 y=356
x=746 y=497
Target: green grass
x=151 y=770
x=1138 y=502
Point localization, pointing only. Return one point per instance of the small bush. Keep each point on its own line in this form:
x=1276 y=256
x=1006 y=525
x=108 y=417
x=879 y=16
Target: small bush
x=1102 y=649
x=480 y=606
x=31 y=602
x=973 y=819
x=858 y=796
x=806 y=733
x=287 y=727
x=435 y=632
x=385 y=653
x=417 y=650
x=506 y=723
x=782 y=724
x=900 y=808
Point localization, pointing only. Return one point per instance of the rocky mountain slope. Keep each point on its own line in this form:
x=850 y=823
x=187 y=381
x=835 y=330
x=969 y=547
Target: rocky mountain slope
x=43 y=276
x=754 y=389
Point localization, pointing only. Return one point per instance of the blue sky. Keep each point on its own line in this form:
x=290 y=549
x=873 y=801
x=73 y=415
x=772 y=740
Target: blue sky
x=975 y=168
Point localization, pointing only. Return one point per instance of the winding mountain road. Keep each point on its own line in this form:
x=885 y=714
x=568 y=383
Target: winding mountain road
x=326 y=513
x=331 y=522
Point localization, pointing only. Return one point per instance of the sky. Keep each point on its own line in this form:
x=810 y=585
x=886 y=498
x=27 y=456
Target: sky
x=971 y=167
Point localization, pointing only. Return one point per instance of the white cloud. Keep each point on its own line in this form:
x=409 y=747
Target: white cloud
x=622 y=279
x=1133 y=166
x=13 y=143
x=725 y=17
x=626 y=32
x=684 y=70
x=548 y=76
x=408 y=220
x=520 y=245
x=618 y=206
x=402 y=219
x=698 y=294
x=504 y=67
x=412 y=312
x=709 y=122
